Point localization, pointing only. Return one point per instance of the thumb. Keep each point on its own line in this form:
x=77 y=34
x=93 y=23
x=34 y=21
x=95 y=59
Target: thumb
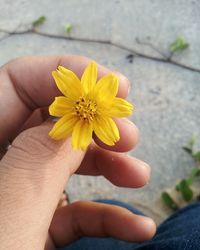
x=34 y=149
x=33 y=174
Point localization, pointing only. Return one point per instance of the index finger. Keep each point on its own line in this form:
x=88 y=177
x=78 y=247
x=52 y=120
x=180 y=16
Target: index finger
x=27 y=84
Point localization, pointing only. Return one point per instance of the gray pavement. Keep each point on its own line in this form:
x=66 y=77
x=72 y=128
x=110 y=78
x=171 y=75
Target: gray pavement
x=166 y=96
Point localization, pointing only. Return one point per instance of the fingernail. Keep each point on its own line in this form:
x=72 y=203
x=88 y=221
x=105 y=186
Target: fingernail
x=125 y=80
x=150 y=227
x=146 y=168
x=127 y=121
x=129 y=88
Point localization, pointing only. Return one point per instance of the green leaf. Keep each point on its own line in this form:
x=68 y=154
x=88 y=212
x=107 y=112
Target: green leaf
x=194 y=173
x=197 y=156
x=185 y=190
x=178 y=187
x=187 y=149
x=179 y=44
x=39 y=21
x=167 y=199
x=68 y=28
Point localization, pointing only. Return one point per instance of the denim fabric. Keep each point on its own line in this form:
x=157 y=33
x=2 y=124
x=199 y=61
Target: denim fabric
x=180 y=231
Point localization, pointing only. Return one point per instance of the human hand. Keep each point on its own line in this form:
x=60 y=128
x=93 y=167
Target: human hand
x=35 y=169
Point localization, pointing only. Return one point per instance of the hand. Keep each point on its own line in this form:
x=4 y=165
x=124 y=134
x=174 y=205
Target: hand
x=35 y=169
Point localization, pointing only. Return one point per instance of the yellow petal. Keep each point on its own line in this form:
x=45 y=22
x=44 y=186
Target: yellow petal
x=106 y=130
x=119 y=108
x=63 y=127
x=82 y=135
x=89 y=77
x=106 y=88
x=68 y=83
x=61 y=106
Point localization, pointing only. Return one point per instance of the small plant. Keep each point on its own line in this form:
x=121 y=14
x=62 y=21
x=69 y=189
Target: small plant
x=39 y=21
x=167 y=199
x=184 y=186
x=179 y=44
x=68 y=28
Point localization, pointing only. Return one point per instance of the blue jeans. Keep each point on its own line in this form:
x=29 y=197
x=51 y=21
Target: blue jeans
x=180 y=231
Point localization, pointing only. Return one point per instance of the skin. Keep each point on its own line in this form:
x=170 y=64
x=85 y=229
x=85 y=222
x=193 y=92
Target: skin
x=35 y=169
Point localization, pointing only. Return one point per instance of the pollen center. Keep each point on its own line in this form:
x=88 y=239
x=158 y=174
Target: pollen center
x=86 y=108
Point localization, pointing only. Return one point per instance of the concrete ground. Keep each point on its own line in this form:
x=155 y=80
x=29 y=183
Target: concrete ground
x=165 y=93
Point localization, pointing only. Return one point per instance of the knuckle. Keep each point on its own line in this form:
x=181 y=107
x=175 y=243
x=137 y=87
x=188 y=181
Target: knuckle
x=35 y=144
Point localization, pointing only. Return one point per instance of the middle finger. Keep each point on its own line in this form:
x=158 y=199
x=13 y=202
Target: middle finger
x=119 y=168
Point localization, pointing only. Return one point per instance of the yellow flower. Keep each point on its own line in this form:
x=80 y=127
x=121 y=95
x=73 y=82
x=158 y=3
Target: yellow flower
x=87 y=106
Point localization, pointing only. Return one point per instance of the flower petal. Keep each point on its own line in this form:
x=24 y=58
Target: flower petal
x=82 y=135
x=63 y=127
x=89 y=77
x=106 y=88
x=61 y=106
x=68 y=83
x=106 y=130
x=120 y=108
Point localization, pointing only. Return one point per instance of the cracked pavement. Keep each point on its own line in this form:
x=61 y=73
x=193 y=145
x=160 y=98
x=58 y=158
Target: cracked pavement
x=165 y=93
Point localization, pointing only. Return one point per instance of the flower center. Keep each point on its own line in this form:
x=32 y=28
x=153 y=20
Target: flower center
x=85 y=108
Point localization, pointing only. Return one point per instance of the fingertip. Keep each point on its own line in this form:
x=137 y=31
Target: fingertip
x=132 y=128
x=129 y=136
x=139 y=228
x=148 y=227
x=124 y=86
x=147 y=172
x=142 y=172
